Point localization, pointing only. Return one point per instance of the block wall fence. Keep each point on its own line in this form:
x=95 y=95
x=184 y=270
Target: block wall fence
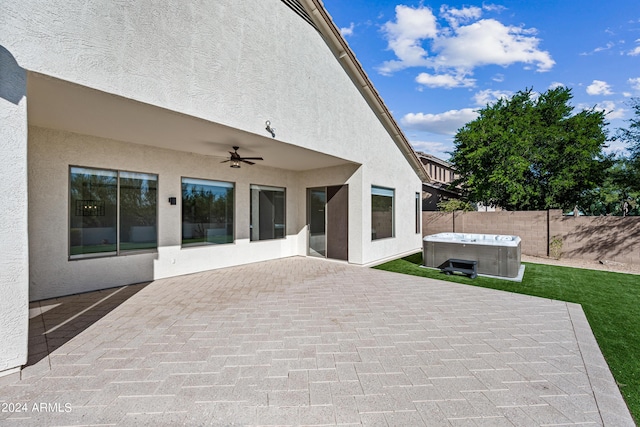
x=598 y=238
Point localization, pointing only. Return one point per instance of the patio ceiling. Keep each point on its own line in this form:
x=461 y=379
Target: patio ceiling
x=58 y=104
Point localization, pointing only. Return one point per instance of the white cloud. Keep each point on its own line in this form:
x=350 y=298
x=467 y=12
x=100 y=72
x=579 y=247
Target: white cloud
x=556 y=85
x=612 y=112
x=457 y=16
x=446 y=123
x=493 y=7
x=635 y=83
x=347 y=31
x=438 y=149
x=447 y=81
x=608 y=107
x=405 y=35
x=489 y=96
x=599 y=87
x=606 y=47
x=459 y=47
x=490 y=42
x=634 y=52
x=498 y=78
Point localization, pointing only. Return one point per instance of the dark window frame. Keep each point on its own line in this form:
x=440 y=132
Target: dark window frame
x=93 y=207
x=279 y=231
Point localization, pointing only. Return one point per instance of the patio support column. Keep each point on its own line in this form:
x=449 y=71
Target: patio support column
x=14 y=240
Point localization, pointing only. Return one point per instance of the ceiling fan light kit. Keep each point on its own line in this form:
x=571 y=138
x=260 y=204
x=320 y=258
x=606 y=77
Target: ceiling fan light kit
x=235 y=159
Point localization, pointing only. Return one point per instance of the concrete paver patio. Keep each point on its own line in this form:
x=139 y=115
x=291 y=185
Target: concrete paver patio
x=302 y=341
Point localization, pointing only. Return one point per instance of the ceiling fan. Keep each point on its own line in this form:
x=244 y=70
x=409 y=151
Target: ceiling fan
x=235 y=158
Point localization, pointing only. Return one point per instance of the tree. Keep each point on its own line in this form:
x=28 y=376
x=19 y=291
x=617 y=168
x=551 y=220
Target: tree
x=620 y=186
x=452 y=205
x=631 y=136
x=531 y=153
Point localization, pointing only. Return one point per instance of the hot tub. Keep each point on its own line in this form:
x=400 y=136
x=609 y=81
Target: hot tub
x=497 y=255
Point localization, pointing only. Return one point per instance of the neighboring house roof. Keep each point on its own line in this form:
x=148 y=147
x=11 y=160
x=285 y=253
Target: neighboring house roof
x=324 y=24
x=434 y=159
x=435 y=183
x=442 y=187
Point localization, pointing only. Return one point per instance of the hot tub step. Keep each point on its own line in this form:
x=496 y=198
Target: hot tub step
x=464 y=266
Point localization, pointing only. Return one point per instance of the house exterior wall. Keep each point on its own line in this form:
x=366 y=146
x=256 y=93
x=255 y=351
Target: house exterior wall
x=228 y=62
x=441 y=173
x=14 y=259
x=51 y=152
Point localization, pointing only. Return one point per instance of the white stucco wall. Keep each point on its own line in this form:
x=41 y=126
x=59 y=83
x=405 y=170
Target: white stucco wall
x=229 y=62
x=14 y=260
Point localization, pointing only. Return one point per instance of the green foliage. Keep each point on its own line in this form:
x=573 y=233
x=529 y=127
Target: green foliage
x=631 y=135
x=528 y=153
x=611 y=302
x=621 y=184
x=629 y=178
x=453 y=205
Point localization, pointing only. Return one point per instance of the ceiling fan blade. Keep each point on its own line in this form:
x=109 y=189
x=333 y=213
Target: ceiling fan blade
x=251 y=158
x=225 y=161
x=247 y=162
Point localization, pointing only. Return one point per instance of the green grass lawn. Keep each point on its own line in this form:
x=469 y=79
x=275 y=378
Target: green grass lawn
x=611 y=302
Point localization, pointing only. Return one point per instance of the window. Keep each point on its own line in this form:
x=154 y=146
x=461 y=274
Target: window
x=267 y=213
x=111 y=212
x=418 y=213
x=207 y=212
x=381 y=213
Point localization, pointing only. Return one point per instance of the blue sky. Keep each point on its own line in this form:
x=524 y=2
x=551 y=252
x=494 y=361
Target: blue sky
x=435 y=64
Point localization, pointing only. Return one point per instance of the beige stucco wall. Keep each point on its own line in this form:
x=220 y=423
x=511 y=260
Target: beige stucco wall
x=51 y=152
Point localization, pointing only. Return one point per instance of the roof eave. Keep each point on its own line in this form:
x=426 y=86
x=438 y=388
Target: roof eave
x=344 y=53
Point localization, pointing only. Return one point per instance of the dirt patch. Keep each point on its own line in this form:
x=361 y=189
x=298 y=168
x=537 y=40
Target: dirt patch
x=588 y=264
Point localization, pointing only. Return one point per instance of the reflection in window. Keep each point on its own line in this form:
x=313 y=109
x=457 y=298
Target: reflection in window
x=267 y=212
x=381 y=213
x=93 y=195
x=207 y=212
x=94 y=205
x=138 y=207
